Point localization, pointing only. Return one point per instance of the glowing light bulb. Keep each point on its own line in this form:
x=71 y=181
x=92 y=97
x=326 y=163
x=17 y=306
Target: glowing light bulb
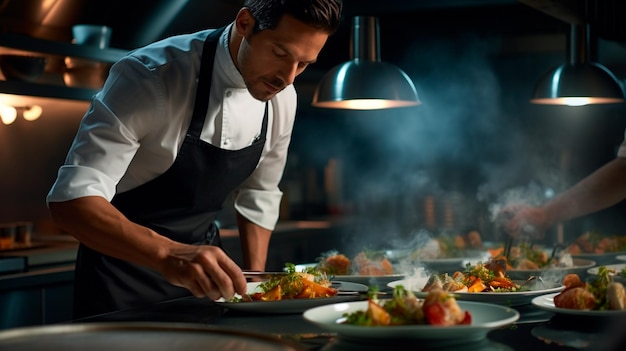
x=8 y=114
x=32 y=113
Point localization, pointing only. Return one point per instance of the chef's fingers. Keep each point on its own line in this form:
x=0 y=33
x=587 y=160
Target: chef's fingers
x=195 y=289
x=181 y=273
x=201 y=274
x=227 y=276
x=209 y=272
x=193 y=268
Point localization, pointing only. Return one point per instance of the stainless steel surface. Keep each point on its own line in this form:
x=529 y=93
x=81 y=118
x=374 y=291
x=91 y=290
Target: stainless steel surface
x=152 y=336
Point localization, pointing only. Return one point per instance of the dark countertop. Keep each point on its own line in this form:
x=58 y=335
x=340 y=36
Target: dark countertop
x=45 y=250
x=536 y=330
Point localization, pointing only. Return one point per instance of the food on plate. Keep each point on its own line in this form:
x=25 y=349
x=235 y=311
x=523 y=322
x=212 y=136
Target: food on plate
x=597 y=243
x=480 y=277
x=616 y=295
x=438 y=308
x=597 y=295
x=528 y=257
x=309 y=284
x=448 y=245
x=372 y=263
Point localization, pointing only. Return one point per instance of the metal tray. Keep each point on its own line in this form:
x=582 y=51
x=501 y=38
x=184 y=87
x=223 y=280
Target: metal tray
x=154 y=336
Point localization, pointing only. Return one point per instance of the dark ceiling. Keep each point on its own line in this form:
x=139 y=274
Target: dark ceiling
x=400 y=20
x=147 y=20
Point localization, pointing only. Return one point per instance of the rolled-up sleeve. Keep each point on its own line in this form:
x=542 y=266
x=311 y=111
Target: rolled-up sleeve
x=104 y=145
x=97 y=159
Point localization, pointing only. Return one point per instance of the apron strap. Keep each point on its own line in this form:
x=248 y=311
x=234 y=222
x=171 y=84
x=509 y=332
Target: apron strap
x=204 y=84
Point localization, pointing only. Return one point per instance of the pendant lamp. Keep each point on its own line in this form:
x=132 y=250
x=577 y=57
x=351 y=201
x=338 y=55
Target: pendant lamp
x=579 y=81
x=365 y=82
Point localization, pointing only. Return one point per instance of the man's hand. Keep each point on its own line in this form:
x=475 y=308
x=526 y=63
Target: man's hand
x=206 y=271
x=519 y=220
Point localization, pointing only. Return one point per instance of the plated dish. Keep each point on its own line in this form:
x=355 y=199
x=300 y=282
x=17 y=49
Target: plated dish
x=352 y=292
x=485 y=317
x=444 y=265
x=345 y=344
x=369 y=280
x=600 y=259
x=500 y=298
x=618 y=268
x=580 y=265
x=546 y=302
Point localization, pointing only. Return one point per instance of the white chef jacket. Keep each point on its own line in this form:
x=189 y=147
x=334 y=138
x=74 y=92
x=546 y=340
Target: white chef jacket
x=136 y=124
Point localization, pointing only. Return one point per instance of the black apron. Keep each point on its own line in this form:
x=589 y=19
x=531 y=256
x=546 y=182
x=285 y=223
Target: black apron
x=180 y=204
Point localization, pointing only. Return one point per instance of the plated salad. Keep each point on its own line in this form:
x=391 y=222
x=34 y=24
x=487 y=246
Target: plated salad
x=480 y=277
x=597 y=295
x=308 y=284
x=404 y=308
x=365 y=263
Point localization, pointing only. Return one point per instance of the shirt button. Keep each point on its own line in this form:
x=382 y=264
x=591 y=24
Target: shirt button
x=229 y=93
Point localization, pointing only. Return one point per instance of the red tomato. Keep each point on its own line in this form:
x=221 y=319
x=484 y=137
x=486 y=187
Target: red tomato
x=467 y=319
x=435 y=314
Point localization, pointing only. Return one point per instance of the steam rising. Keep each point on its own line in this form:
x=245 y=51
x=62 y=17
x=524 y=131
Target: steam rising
x=446 y=167
x=462 y=149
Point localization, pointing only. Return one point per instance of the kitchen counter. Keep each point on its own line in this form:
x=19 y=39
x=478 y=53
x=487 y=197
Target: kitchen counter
x=36 y=283
x=536 y=329
x=37 y=288
x=44 y=254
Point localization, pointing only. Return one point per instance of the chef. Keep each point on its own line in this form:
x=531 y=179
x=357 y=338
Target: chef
x=179 y=126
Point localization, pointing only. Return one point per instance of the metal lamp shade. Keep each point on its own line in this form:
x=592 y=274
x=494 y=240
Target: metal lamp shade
x=365 y=82
x=580 y=81
x=365 y=85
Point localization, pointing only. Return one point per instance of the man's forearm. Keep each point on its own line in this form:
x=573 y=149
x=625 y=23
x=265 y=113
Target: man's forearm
x=254 y=243
x=603 y=188
x=97 y=224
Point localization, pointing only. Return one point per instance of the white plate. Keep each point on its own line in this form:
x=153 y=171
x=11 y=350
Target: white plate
x=601 y=259
x=485 y=317
x=580 y=266
x=293 y=305
x=443 y=265
x=618 y=269
x=621 y=257
x=500 y=298
x=369 y=280
x=546 y=302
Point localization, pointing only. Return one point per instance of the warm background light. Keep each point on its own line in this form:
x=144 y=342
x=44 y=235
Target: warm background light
x=8 y=114
x=32 y=113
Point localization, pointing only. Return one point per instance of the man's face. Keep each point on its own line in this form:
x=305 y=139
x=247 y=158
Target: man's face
x=270 y=60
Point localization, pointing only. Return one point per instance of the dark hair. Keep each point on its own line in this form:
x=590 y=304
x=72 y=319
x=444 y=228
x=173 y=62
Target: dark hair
x=321 y=14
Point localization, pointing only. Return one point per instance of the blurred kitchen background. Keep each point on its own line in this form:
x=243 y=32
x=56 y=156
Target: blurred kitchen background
x=474 y=143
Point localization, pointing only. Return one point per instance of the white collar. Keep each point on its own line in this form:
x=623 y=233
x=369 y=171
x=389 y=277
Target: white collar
x=231 y=77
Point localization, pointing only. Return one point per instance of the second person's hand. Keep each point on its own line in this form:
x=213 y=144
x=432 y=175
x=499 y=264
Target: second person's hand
x=519 y=220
